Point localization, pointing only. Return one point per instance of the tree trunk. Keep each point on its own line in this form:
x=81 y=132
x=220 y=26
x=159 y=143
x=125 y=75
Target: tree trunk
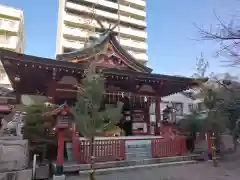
x=92 y=162
x=214 y=149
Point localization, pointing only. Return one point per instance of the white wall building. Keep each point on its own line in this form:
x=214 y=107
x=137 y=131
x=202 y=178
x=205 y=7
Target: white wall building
x=183 y=103
x=12 y=35
x=11 y=29
x=76 y=22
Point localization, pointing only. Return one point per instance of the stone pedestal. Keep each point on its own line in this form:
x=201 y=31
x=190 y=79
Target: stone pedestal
x=59 y=177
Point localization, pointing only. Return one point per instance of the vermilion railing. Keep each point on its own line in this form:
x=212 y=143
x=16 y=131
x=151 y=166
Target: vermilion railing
x=168 y=147
x=105 y=150
x=114 y=150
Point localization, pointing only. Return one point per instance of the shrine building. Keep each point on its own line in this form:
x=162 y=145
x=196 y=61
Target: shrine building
x=126 y=79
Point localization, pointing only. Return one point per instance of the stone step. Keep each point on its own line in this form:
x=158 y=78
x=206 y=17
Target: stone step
x=68 y=168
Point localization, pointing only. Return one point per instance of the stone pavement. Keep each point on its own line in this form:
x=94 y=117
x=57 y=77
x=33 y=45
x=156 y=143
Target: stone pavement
x=201 y=171
x=229 y=169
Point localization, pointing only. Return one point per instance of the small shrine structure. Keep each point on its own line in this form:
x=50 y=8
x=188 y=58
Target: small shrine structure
x=127 y=79
x=65 y=128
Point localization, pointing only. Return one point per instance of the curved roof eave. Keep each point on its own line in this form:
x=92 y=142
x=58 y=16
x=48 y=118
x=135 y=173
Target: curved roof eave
x=96 y=47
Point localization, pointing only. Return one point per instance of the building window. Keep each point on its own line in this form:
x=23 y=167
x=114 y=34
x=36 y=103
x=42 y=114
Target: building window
x=3 y=38
x=68 y=50
x=190 y=107
x=201 y=107
x=11 y=24
x=179 y=108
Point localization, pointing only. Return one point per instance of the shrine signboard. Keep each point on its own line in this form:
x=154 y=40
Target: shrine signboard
x=138 y=150
x=64 y=120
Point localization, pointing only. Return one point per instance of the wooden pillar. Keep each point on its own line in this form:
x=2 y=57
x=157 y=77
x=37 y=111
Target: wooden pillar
x=60 y=151
x=158 y=116
x=148 y=118
x=209 y=142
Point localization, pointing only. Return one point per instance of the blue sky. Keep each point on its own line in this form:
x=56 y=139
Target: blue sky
x=171 y=31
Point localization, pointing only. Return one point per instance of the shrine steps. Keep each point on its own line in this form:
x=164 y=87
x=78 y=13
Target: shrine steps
x=73 y=168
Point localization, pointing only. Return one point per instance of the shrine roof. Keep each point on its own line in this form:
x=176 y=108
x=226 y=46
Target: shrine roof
x=97 y=45
x=52 y=63
x=152 y=76
x=35 y=72
x=24 y=58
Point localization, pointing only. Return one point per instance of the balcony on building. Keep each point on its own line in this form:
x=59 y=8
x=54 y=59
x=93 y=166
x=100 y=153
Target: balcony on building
x=10 y=26
x=8 y=42
x=105 y=14
x=88 y=24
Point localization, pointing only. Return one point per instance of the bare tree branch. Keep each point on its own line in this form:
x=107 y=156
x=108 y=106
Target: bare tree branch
x=228 y=36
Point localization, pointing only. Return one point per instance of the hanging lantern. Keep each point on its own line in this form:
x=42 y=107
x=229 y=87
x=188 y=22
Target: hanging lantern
x=145 y=98
x=122 y=94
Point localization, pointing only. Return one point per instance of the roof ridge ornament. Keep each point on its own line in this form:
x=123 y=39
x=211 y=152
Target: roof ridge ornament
x=103 y=29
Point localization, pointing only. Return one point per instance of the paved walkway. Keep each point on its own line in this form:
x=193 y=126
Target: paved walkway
x=201 y=171
x=229 y=169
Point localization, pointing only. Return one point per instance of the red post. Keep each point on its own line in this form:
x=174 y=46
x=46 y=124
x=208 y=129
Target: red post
x=158 y=116
x=154 y=154
x=209 y=140
x=122 y=150
x=60 y=151
x=181 y=145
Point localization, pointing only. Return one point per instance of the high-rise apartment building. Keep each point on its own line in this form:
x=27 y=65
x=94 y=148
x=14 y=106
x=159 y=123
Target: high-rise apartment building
x=11 y=29
x=77 y=21
x=11 y=33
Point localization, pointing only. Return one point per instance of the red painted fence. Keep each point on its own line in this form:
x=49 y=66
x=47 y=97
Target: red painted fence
x=105 y=150
x=114 y=150
x=168 y=147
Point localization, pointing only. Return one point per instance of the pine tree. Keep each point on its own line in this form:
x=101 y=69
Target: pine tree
x=90 y=117
x=37 y=129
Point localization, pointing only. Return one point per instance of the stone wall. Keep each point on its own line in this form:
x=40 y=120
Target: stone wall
x=13 y=153
x=17 y=175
